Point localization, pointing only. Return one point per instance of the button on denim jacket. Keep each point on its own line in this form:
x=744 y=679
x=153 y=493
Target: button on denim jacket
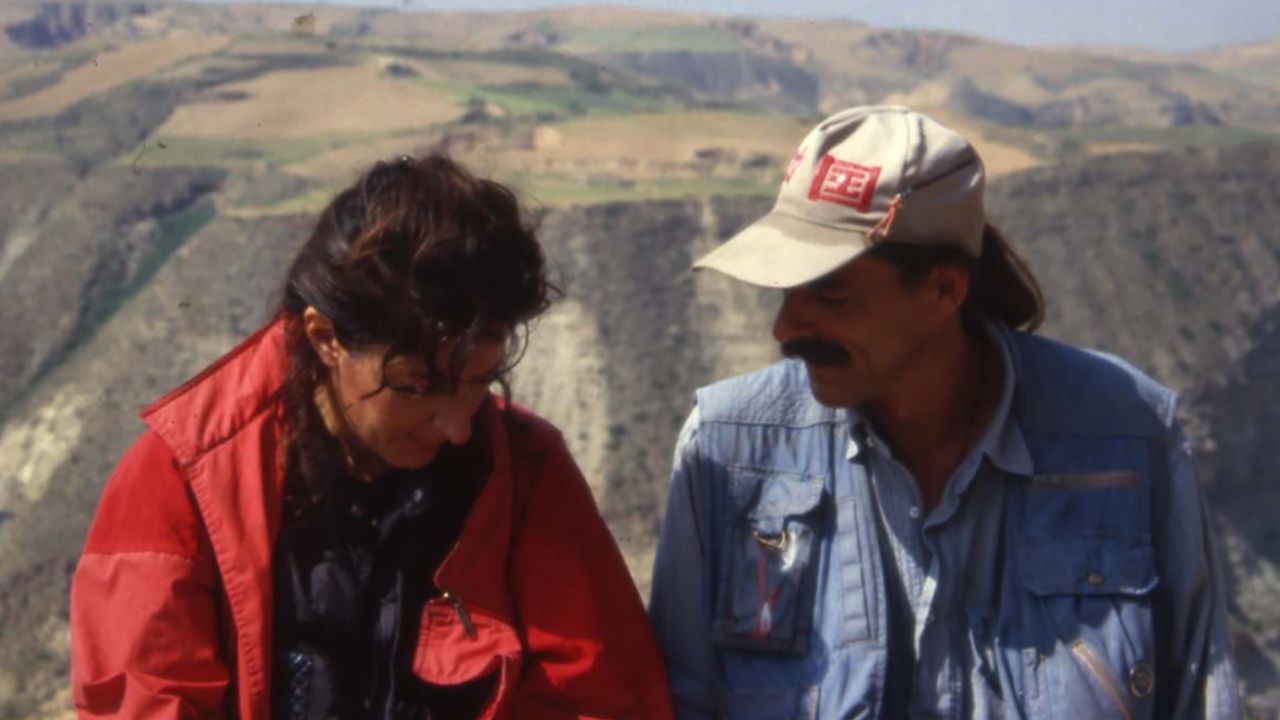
x=769 y=598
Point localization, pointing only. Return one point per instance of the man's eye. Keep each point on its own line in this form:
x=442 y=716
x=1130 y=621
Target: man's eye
x=831 y=299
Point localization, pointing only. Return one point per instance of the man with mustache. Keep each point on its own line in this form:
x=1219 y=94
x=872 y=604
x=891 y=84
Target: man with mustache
x=928 y=511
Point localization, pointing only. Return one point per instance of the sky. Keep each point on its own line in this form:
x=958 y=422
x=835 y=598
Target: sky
x=1171 y=25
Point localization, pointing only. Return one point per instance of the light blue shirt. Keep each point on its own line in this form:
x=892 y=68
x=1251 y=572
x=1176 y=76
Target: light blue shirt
x=945 y=558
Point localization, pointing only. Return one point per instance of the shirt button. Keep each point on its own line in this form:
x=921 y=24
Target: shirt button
x=1142 y=679
x=1096 y=579
x=417 y=495
x=357 y=511
x=914 y=512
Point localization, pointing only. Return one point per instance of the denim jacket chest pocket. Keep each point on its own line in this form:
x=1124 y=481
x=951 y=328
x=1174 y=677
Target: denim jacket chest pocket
x=766 y=599
x=1091 y=607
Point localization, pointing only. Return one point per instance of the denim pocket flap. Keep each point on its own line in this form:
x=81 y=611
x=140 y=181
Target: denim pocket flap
x=768 y=497
x=1094 y=566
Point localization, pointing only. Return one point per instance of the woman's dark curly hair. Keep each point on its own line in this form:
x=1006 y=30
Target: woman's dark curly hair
x=417 y=252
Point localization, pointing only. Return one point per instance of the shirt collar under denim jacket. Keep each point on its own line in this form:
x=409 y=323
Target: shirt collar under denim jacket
x=1070 y=570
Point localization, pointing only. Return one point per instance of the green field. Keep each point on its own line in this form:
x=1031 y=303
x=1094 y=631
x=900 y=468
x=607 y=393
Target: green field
x=530 y=100
x=650 y=38
x=230 y=152
x=220 y=152
x=557 y=191
x=307 y=202
x=1168 y=138
x=560 y=191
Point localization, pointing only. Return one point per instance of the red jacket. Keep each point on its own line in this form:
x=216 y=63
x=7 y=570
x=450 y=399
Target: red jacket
x=171 y=600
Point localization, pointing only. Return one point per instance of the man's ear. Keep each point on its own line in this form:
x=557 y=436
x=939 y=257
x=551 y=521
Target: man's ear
x=321 y=335
x=949 y=286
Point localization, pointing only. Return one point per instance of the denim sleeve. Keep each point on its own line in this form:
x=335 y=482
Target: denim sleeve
x=1201 y=673
x=680 y=604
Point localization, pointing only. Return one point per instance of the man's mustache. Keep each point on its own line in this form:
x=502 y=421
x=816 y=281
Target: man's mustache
x=816 y=352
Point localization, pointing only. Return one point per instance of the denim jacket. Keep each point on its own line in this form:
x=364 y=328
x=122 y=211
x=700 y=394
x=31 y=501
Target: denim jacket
x=1104 y=599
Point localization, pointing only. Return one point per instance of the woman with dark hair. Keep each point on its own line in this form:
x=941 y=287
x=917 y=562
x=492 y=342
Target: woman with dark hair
x=338 y=519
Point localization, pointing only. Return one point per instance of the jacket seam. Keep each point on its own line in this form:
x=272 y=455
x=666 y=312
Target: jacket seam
x=191 y=560
x=235 y=590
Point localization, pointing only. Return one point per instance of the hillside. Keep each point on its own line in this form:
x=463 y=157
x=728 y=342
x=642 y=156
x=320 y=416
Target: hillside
x=162 y=161
x=315 y=92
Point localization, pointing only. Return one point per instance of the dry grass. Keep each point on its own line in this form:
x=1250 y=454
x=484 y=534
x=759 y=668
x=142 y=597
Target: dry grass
x=485 y=73
x=1258 y=62
x=196 y=67
x=22 y=68
x=1205 y=87
x=279 y=19
x=480 y=30
x=111 y=69
x=610 y=15
x=1118 y=148
x=825 y=41
x=636 y=141
x=44 y=158
x=307 y=203
x=299 y=103
x=624 y=148
x=278 y=44
x=586 y=161
x=348 y=161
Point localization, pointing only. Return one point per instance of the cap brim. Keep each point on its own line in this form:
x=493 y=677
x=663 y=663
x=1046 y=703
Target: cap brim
x=781 y=251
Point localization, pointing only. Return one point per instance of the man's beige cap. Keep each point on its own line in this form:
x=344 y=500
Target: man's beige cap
x=862 y=176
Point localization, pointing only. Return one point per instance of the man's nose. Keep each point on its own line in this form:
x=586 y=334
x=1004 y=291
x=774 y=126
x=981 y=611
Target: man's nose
x=790 y=322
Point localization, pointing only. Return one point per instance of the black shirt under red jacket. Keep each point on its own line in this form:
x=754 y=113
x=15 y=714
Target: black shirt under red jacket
x=171 y=602
x=351 y=577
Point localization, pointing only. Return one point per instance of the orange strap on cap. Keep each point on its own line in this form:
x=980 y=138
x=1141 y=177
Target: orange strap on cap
x=885 y=225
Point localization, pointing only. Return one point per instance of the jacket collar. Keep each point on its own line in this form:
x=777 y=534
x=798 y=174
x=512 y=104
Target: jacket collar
x=213 y=406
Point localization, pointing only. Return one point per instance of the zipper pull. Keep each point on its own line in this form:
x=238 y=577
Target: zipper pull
x=463 y=615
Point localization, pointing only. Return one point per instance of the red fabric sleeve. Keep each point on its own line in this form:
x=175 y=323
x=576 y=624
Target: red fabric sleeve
x=590 y=648
x=145 y=641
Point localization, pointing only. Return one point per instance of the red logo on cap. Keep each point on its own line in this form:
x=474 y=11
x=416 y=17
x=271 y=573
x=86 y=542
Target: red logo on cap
x=844 y=183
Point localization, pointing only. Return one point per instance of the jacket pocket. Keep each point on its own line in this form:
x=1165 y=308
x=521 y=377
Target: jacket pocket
x=1093 y=597
x=458 y=645
x=766 y=601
